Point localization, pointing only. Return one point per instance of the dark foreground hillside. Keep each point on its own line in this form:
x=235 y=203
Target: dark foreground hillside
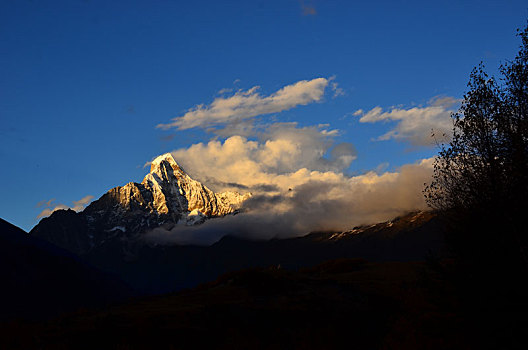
x=346 y=303
x=40 y=280
x=374 y=287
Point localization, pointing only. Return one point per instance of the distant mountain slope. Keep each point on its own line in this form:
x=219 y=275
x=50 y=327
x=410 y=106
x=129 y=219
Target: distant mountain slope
x=156 y=269
x=41 y=280
x=166 y=197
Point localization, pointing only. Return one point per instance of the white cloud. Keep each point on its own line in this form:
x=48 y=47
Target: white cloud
x=249 y=104
x=45 y=203
x=77 y=206
x=48 y=211
x=81 y=203
x=224 y=91
x=281 y=155
x=337 y=90
x=416 y=124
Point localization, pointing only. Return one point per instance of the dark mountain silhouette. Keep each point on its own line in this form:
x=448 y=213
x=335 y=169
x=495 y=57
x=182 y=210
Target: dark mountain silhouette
x=340 y=304
x=41 y=280
x=158 y=269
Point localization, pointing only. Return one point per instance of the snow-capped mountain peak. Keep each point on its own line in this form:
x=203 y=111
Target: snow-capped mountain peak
x=175 y=191
x=166 y=197
x=165 y=160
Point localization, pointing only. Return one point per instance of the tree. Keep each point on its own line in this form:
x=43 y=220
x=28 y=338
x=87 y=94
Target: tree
x=480 y=189
x=480 y=179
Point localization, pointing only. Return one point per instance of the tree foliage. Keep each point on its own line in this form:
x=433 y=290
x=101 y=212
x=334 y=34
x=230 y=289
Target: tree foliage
x=481 y=176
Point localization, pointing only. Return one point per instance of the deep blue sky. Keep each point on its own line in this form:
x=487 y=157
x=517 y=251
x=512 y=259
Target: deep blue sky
x=84 y=83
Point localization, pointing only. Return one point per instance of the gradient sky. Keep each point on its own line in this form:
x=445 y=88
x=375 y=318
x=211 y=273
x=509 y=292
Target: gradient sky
x=85 y=83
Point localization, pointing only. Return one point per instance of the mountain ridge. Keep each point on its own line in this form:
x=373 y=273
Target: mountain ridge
x=41 y=280
x=166 y=268
x=166 y=197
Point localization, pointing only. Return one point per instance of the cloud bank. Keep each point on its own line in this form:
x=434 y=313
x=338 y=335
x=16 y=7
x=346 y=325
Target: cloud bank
x=316 y=201
x=281 y=157
x=299 y=184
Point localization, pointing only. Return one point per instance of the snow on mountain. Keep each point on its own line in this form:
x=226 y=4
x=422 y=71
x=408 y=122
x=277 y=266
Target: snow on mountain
x=166 y=197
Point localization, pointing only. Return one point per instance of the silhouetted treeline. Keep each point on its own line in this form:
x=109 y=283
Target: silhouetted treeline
x=480 y=186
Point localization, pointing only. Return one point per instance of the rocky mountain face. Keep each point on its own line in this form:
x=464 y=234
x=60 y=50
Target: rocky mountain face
x=166 y=197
